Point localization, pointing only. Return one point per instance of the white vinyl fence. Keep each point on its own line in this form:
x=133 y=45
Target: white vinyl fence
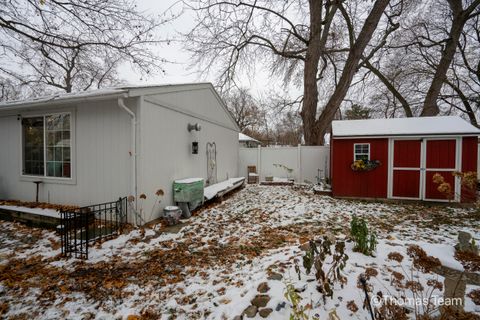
x=302 y=163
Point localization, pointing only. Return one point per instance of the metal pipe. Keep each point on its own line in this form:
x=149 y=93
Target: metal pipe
x=133 y=118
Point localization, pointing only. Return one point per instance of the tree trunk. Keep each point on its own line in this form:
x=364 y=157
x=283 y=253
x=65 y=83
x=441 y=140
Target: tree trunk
x=468 y=108
x=349 y=70
x=310 y=89
x=391 y=88
x=460 y=17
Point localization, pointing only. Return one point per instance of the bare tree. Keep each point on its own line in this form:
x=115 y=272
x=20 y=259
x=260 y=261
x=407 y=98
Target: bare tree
x=75 y=45
x=303 y=41
x=459 y=17
x=288 y=130
x=400 y=73
x=245 y=109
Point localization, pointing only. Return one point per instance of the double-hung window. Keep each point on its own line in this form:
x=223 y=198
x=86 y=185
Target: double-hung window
x=361 y=151
x=47 y=145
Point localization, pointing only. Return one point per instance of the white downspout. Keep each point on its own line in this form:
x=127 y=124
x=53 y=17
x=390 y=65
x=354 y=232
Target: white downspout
x=133 y=118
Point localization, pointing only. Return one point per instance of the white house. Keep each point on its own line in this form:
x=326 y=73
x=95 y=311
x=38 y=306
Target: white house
x=247 y=141
x=97 y=146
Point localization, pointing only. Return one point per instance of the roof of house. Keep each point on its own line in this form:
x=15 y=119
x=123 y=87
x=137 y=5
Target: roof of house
x=97 y=94
x=451 y=125
x=64 y=99
x=244 y=137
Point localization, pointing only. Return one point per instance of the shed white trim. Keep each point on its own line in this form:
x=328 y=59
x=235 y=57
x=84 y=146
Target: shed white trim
x=423 y=126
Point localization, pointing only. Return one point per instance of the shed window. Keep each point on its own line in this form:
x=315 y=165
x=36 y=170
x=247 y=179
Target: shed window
x=47 y=145
x=361 y=151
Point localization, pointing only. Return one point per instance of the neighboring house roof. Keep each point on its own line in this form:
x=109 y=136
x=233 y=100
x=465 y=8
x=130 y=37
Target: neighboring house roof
x=404 y=127
x=243 y=137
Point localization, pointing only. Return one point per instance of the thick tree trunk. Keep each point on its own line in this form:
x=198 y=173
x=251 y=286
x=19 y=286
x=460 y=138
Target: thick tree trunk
x=460 y=17
x=430 y=106
x=349 y=70
x=312 y=57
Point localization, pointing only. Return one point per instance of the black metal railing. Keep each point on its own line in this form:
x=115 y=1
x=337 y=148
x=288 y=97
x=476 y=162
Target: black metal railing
x=81 y=227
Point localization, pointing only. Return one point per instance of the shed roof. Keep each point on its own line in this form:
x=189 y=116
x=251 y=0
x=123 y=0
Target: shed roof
x=244 y=137
x=423 y=126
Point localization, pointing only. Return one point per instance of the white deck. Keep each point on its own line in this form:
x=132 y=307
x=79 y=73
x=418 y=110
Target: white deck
x=39 y=211
x=212 y=191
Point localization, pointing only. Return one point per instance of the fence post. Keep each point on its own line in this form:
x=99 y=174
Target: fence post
x=259 y=162
x=299 y=163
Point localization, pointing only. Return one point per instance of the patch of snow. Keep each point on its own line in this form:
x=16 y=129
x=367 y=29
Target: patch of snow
x=244 y=137
x=43 y=212
x=211 y=191
x=223 y=291
x=444 y=252
x=189 y=180
x=403 y=126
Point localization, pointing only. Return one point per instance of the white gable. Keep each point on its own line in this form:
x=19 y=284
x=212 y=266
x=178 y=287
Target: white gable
x=403 y=127
x=244 y=137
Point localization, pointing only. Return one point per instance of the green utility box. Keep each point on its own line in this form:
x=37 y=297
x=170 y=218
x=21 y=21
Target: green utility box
x=188 y=190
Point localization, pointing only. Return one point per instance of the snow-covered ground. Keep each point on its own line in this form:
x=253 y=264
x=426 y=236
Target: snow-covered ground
x=214 y=265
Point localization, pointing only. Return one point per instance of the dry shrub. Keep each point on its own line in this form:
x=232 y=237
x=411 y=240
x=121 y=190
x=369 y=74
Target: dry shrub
x=390 y=311
x=468 y=178
x=475 y=296
x=352 y=306
x=434 y=283
x=3 y=308
x=421 y=260
x=449 y=313
x=397 y=279
x=40 y=205
x=370 y=272
x=414 y=286
x=395 y=256
x=469 y=260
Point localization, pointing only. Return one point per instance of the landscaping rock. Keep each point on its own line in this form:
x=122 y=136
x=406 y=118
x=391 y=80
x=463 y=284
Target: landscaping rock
x=265 y=312
x=251 y=311
x=260 y=300
x=305 y=246
x=263 y=287
x=238 y=318
x=275 y=276
x=300 y=288
x=465 y=243
x=280 y=306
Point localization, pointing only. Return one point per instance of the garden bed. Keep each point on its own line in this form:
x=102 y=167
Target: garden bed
x=252 y=244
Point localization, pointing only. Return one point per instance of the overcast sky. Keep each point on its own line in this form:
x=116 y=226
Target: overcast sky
x=178 y=71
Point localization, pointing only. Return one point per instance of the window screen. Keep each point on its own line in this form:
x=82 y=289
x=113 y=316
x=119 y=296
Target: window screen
x=47 y=145
x=361 y=152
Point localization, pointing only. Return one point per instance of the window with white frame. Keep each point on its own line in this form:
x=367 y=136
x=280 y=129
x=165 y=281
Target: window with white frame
x=47 y=145
x=361 y=151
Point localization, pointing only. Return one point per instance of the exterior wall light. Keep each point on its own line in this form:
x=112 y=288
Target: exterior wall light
x=195 y=127
x=194 y=147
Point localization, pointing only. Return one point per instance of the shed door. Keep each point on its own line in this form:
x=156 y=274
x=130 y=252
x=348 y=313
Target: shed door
x=441 y=158
x=407 y=169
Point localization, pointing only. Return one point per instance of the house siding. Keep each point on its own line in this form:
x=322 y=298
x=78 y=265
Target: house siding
x=101 y=157
x=165 y=144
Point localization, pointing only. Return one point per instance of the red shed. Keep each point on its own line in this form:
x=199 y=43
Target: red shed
x=399 y=158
